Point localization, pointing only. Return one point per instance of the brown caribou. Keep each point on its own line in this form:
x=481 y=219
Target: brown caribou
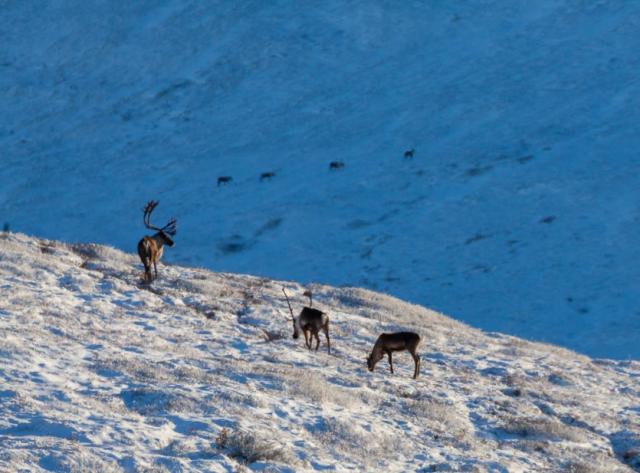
x=309 y=322
x=390 y=342
x=150 y=247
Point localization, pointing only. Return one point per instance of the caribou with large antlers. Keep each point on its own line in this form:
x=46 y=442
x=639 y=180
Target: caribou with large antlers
x=309 y=322
x=150 y=247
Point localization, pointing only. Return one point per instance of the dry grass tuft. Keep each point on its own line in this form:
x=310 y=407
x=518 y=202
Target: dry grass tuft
x=248 y=447
x=313 y=387
x=543 y=429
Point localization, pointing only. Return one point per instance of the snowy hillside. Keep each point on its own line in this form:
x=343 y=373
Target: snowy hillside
x=519 y=211
x=199 y=372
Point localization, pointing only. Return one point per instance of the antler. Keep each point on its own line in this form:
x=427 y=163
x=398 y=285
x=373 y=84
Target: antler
x=290 y=309
x=169 y=228
x=148 y=209
x=309 y=294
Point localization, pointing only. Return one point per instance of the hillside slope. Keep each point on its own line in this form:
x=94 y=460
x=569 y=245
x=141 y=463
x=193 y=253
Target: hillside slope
x=518 y=213
x=99 y=373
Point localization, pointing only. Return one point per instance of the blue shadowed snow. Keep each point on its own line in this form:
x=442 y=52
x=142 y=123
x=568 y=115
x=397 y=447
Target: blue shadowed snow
x=517 y=213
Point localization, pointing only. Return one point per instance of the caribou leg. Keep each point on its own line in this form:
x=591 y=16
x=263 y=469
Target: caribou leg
x=326 y=334
x=416 y=360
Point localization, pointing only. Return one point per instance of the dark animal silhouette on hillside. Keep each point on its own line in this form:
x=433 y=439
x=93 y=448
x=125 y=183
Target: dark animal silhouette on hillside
x=266 y=176
x=309 y=322
x=224 y=180
x=390 y=342
x=150 y=248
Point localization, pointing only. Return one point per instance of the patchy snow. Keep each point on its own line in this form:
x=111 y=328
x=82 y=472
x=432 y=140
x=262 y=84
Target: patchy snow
x=198 y=372
x=518 y=213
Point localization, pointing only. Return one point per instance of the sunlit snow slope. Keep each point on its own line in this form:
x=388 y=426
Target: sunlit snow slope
x=198 y=373
x=519 y=211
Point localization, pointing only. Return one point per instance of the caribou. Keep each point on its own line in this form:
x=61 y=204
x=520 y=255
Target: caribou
x=309 y=322
x=224 y=180
x=390 y=342
x=150 y=247
x=266 y=176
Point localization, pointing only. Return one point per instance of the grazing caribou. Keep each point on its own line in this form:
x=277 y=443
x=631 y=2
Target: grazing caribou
x=336 y=165
x=266 y=176
x=390 y=342
x=224 y=180
x=309 y=322
x=409 y=153
x=150 y=247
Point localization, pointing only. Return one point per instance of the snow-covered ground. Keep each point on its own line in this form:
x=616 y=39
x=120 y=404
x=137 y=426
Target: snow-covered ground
x=519 y=211
x=198 y=372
